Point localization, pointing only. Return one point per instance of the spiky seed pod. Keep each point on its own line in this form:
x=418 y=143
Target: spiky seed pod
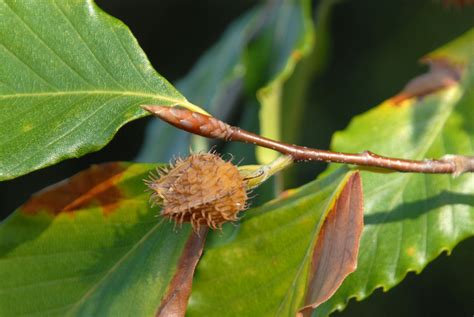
x=201 y=189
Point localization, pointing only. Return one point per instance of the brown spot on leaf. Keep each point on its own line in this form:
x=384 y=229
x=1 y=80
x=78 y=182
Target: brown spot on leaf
x=442 y=74
x=296 y=55
x=335 y=253
x=286 y=194
x=175 y=301
x=95 y=185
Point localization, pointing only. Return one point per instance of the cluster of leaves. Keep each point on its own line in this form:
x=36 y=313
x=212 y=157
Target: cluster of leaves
x=71 y=76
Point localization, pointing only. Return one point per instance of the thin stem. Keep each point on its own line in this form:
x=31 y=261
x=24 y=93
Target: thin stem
x=211 y=127
x=257 y=174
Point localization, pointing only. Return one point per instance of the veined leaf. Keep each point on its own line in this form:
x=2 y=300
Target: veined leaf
x=411 y=218
x=92 y=246
x=70 y=77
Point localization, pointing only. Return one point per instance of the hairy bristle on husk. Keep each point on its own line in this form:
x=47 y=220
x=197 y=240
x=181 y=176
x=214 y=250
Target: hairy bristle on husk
x=202 y=189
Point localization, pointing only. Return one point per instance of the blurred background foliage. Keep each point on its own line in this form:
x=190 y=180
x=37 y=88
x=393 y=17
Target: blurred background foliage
x=365 y=52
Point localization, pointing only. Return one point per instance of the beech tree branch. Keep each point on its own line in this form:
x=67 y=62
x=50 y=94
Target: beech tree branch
x=211 y=127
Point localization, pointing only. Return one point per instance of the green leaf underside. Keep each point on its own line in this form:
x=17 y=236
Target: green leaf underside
x=411 y=218
x=70 y=77
x=110 y=256
x=286 y=51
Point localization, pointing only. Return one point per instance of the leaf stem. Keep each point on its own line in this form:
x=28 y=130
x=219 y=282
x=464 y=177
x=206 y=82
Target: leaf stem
x=211 y=127
x=257 y=174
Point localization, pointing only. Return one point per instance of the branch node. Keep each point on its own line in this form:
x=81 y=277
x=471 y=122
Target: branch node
x=461 y=163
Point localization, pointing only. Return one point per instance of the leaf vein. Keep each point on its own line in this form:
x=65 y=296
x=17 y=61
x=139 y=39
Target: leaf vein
x=49 y=48
x=28 y=66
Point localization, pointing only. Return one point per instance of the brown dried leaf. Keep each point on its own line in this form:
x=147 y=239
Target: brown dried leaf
x=95 y=185
x=442 y=74
x=336 y=250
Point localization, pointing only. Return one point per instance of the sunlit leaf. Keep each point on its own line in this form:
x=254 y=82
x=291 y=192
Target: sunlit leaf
x=70 y=77
x=412 y=218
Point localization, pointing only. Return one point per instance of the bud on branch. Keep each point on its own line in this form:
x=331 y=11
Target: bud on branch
x=211 y=127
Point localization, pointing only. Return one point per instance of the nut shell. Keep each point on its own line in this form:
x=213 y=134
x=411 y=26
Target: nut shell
x=201 y=189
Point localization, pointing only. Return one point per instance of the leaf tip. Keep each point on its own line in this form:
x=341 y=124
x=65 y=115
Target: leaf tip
x=442 y=74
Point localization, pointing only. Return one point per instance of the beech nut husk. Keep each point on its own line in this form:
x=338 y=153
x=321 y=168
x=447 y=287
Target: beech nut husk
x=202 y=189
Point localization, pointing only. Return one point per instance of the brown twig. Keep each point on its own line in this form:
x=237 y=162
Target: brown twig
x=211 y=127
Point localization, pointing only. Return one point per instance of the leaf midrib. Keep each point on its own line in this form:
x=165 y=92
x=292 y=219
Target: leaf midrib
x=175 y=101
x=91 y=92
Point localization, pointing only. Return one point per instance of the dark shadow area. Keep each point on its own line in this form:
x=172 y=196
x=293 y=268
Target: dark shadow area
x=174 y=33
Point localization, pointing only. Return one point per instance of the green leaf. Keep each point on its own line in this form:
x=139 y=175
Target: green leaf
x=314 y=50
x=70 y=77
x=412 y=218
x=263 y=269
x=91 y=246
x=289 y=53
